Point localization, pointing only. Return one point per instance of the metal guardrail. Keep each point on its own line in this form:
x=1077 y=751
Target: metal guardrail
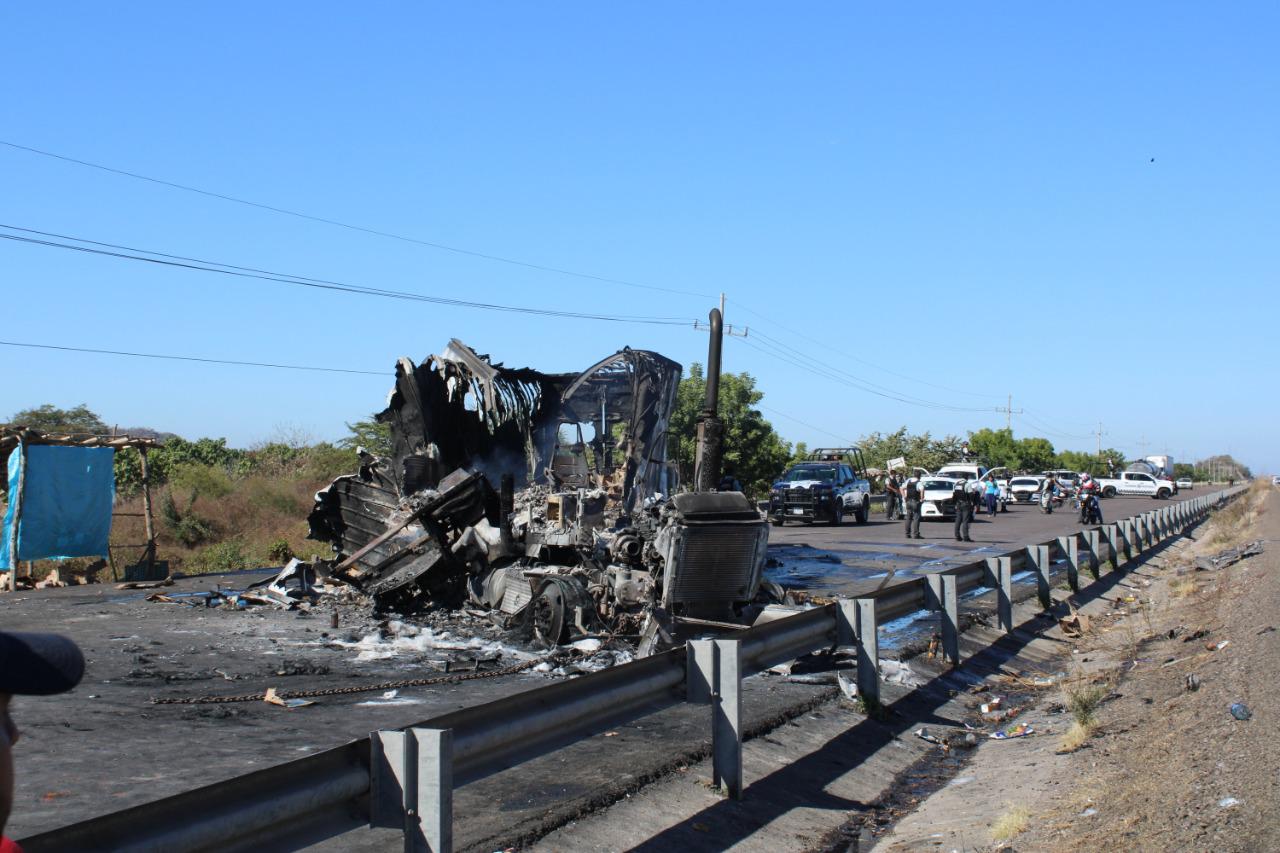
x=405 y=778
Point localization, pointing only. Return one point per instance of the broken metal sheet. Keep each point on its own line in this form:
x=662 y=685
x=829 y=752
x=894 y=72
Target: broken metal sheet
x=1229 y=557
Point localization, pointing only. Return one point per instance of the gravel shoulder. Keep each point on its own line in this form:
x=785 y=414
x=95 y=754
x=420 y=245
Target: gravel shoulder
x=1167 y=767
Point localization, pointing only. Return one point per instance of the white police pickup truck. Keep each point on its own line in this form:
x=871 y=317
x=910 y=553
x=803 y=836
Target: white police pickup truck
x=1136 y=483
x=828 y=485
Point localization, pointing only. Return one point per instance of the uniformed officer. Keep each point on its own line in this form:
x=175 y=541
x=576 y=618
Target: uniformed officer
x=963 y=499
x=911 y=497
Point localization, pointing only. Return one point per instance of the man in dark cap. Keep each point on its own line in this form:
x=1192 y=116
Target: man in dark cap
x=30 y=665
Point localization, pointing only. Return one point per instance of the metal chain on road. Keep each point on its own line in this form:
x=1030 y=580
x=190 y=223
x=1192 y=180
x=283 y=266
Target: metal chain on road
x=368 y=688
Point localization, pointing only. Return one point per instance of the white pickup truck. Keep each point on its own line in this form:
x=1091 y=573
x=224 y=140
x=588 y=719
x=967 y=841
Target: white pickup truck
x=1136 y=483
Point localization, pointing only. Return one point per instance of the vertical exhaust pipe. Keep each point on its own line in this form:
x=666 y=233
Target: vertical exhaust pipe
x=710 y=447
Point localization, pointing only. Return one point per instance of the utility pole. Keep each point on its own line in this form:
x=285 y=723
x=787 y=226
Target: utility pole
x=1144 y=444
x=1009 y=412
x=1099 y=434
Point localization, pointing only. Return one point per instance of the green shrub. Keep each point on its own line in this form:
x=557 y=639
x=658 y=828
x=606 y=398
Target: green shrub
x=207 y=480
x=185 y=526
x=280 y=551
x=228 y=556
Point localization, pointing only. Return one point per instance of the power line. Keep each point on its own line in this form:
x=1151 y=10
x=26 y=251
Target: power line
x=822 y=370
x=361 y=228
x=383 y=373
x=165 y=259
x=772 y=319
x=782 y=414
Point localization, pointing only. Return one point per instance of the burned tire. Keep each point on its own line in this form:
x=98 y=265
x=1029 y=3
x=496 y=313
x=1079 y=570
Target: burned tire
x=548 y=614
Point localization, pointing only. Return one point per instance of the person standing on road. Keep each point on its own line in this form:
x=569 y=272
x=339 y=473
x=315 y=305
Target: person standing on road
x=992 y=495
x=911 y=494
x=30 y=665
x=963 y=499
x=893 y=497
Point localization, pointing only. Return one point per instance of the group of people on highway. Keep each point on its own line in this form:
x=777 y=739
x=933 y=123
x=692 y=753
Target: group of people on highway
x=903 y=498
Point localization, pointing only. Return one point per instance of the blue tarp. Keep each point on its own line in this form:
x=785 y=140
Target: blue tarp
x=66 y=502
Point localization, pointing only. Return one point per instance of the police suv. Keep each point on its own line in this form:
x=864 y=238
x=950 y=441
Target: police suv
x=829 y=484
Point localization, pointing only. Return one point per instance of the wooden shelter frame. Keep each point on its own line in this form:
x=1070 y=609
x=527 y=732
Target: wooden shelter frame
x=20 y=438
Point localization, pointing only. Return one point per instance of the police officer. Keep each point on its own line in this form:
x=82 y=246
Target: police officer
x=893 y=497
x=911 y=496
x=963 y=499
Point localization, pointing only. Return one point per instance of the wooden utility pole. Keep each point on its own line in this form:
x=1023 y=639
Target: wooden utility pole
x=1009 y=412
x=146 y=512
x=16 y=501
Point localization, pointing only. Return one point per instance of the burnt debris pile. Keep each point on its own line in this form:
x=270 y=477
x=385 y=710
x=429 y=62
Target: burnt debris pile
x=546 y=500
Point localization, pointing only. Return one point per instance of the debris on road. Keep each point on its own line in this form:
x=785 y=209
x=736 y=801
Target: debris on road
x=1240 y=711
x=1229 y=557
x=270 y=697
x=1020 y=730
x=1192 y=682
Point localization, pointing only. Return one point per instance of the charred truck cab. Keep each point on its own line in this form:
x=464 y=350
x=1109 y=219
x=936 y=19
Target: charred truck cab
x=583 y=535
x=830 y=484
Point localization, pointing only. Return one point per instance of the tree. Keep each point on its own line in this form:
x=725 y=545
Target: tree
x=372 y=436
x=997 y=448
x=919 y=450
x=50 y=418
x=753 y=450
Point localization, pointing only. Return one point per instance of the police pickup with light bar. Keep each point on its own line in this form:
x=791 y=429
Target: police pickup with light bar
x=829 y=484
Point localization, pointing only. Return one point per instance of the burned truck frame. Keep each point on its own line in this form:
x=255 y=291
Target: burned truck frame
x=582 y=536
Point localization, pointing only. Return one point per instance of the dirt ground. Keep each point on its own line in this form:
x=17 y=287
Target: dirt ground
x=1167 y=767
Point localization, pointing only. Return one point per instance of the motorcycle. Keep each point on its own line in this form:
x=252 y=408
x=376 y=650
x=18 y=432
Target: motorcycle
x=1049 y=501
x=1090 y=509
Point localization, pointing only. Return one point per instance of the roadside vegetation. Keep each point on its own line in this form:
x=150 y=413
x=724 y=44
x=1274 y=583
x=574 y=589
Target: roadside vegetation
x=221 y=508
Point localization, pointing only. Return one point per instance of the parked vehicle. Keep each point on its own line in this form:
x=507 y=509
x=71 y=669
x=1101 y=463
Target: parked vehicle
x=1023 y=489
x=975 y=472
x=1136 y=483
x=935 y=496
x=829 y=484
x=1067 y=479
x=1185 y=483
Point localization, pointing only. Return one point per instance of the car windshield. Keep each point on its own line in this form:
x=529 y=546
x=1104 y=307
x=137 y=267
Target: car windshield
x=937 y=485
x=1024 y=481
x=796 y=475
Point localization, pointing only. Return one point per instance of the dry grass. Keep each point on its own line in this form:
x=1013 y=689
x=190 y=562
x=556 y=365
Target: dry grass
x=1011 y=824
x=1183 y=587
x=1083 y=699
x=1076 y=736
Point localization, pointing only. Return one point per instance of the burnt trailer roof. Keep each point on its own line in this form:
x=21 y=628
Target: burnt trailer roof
x=458 y=409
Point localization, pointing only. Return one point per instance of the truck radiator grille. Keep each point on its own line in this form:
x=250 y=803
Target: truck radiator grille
x=716 y=564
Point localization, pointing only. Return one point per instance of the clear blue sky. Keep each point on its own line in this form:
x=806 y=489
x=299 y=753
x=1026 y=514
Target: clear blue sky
x=934 y=190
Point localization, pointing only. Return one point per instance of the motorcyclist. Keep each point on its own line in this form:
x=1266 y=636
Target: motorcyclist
x=1048 y=489
x=1088 y=494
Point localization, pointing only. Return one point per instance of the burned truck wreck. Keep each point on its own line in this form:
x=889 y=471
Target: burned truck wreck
x=585 y=533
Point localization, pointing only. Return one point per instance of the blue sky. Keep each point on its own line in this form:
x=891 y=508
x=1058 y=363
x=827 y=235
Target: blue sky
x=916 y=197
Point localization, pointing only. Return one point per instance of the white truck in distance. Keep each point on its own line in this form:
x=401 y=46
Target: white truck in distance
x=1136 y=483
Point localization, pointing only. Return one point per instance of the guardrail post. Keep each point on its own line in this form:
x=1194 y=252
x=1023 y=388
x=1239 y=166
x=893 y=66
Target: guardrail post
x=1095 y=549
x=999 y=574
x=1070 y=545
x=1127 y=528
x=1141 y=532
x=434 y=812
x=868 y=652
x=411 y=787
x=1111 y=533
x=726 y=731
x=700 y=671
x=1038 y=556
x=943 y=599
x=846 y=622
